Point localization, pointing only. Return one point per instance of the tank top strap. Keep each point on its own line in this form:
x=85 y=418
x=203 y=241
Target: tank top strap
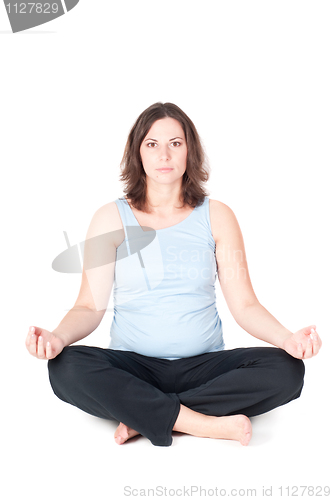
x=127 y=216
x=135 y=237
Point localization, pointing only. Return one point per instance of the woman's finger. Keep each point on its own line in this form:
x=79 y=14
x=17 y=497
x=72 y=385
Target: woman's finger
x=27 y=340
x=308 y=351
x=32 y=346
x=40 y=348
x=316 y=345
x=48 y=350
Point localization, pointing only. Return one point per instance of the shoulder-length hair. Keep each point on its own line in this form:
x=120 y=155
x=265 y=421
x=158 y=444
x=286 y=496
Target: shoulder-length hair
x=132 y=172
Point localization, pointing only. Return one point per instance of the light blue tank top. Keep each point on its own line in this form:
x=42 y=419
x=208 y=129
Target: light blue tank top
x=164 y=288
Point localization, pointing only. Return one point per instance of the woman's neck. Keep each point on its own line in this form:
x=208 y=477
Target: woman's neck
x=164 y=203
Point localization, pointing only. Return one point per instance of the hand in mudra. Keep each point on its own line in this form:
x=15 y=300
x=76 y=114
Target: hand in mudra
x=43 y=344
x=303 y=344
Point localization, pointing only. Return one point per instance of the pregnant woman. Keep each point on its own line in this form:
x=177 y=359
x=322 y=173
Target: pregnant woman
x=161 y=246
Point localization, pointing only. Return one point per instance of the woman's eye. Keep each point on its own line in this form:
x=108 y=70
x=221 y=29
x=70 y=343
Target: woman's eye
x=153 y=144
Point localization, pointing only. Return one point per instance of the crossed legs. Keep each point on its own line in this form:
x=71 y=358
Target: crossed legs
x=211 y=395
x=236 y=427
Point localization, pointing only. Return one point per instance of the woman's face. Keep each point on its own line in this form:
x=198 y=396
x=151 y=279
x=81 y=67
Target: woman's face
x=164 y=146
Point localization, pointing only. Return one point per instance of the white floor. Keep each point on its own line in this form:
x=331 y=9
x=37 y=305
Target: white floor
x=53 y=450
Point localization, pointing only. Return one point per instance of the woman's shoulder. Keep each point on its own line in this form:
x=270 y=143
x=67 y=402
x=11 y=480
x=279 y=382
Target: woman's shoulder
x=223 y=220
x=108 y=212
x=106 y=219
x=219 y=208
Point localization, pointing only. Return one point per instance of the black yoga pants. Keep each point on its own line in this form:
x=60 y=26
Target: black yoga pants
x=145 y=393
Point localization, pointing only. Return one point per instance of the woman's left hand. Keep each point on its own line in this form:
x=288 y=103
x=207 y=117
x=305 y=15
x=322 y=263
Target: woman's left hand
x=303 y=344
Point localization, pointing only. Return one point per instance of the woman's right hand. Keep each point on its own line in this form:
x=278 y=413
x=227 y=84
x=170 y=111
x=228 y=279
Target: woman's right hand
x=43 y=344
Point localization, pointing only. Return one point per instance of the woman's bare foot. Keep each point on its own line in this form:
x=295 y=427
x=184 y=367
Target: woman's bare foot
x=236 y=427
x=123 y=433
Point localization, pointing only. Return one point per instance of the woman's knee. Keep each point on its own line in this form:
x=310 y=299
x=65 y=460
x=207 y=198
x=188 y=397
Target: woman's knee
x=290 y=374
x=60 y=363
x=61 y=371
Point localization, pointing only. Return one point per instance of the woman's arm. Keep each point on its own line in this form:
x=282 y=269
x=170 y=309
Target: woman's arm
x=240 y=297
x=104 y=235
x=78 y=323
x=257 y=321
x=260 y=323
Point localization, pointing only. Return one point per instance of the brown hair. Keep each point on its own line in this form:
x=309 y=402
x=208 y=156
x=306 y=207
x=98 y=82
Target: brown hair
x=132 y=172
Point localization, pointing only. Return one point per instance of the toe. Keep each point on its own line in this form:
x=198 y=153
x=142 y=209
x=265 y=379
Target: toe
x=119 y=440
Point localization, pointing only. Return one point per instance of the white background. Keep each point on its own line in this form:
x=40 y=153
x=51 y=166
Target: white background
x=255 y=78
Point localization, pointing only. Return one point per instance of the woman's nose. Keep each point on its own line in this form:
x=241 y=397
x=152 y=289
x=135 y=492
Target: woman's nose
x=165 y=152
